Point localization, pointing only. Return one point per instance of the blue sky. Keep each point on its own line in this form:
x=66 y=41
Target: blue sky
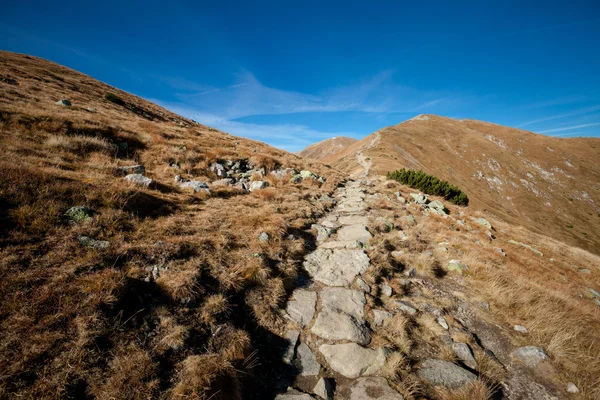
x=291 y=73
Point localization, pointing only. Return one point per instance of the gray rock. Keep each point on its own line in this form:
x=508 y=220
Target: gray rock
x=483 y=222
x=536 y=251
x=308 y=175
x=131 y=169
x=411 y=272
x=64 y=103
x=444 y=373
x=296 y=179
x=139 y=180
x=571 y=388
x=336 y=244
x=355 y=232
x=520 y=328
x=405 y=307
x=292 y=394
x=324 y=388
x=336 y=267
x=78 y=214
x=352 y=360
x=530 y=355
x=292 y=338
x=442 y=322
x=302 y=308
x=196 y=186
x=463 y=353
x=306 y=362
x=322 y=232
x=257 y=185
x=223 y=182
x=419 y=198
x=437 y=205
x=263 y=237
x=354 y=220
x=363 y=285
x=593 y=293
x=584 y=271
x=457 y=266
x=386 y=290
x=408 y=220
x=380 y=316
x=331 y=224
x=500 y=251
x=342 y=316
x=399 y=197
x=398 y=253
x=93 y=243
x=372 y=388
x=218 y=170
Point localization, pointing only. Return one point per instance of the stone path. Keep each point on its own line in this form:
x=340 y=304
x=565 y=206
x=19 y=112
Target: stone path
x=331 y=313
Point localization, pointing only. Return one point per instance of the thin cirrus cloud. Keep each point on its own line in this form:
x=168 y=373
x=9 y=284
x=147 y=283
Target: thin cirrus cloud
x=569 y=128
x=565 y=115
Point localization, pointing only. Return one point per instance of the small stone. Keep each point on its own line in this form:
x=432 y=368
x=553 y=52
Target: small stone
x=352 y=360
x=500 y=251
x=571 y=388
x=530 y=355
x=258 y=185
x=483 y=222
x=520 y=328
x=64 y=103
x=139 y=180
x=292 y=338
x=593 y=293
x=585 y=271
x=302 y=308
x=386 y=290
x=78 y=214
x=93 y=243
x=131 y=169
x=419 y=198
x=196 y=186
x=263 y=237
x=380 y=316
x=463 y=353
x=457 y=266
x=223 y=182
x=363 y=285
x=218 y=170
x=411 y=272
x=372 y=388
x=308 y=175
x=293 y=394
x=442 y=322
x=306 y=362
x=397 y=253
x=405 y=307
x=324 y=388
x=445 y=373
x=322 y=232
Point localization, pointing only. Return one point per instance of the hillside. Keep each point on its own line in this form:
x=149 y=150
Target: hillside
x=549 y=185
x=328 y=149
x=145 y=256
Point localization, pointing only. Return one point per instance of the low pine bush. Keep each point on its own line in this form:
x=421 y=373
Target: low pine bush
x=429 y=184
x=114 y=99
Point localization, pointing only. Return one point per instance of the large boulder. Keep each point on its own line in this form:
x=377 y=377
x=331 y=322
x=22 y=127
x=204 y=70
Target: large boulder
x=437 y=207
x=342 y=316
x=139 y=180
x=218 y=170
x=352 y=360
x=196 y=186
x=444 y=373
x=419 y=198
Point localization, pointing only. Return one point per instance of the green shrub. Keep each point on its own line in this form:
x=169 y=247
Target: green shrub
x=429 y=184
x=114 y=98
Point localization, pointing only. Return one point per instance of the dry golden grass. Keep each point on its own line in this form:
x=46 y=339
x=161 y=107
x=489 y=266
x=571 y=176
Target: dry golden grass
x=477 y=390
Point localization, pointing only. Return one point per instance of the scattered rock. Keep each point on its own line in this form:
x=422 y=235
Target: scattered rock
x=354 y=220
x=322 y=232
x=223 y=182
x=530 y=355
x=78 y=214
x=437 y=207
x=571 y=388
x=342 y=316
x=296 y=179
x=306 y=362
x=442 y=322
x=302 y=308
x=372 y=388
x=585 y=271
x=419 y=198
x=64 y=103
x=397 y=253
x=399 y=197
x=352 y=360
x=263 y=237
x=500 y=251
x=356 y=232
x=408 y=220
x=324 y=388
x=257 y=185
x=336 y=244
x=457 y=266
x=363 y=285
x=292 y=337
x=464 y=354
x=336 y=267
x=380 y=316
x=139 y=180
x=386 y=290
x=411 y=272
x=483 y=222
x=292 y=394
x=536 y=251
x=444 y=373
x=520 y=328
x=405 y=307
x=592 y=293
x=218 y=170
x=130 y=169
x=308 y=175
x=196 y=186
x=93 y=243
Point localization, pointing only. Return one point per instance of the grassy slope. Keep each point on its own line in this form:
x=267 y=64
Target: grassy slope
x=549 y=185
x=328 y=149
x=77 y=320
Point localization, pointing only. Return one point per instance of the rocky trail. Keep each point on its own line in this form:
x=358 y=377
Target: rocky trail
x=337 y=320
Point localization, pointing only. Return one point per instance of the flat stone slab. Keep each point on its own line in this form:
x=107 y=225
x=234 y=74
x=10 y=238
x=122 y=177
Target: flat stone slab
x=354 y=220
x=352 y=360
x=370 y=388
x=357 y=232
x=302 y=306
x=405 y=307
x=292 y=394
x=347 y=244
x=530 y=355
x=464 y=354
x=292 y=339
x=306 y=362
x=336 y=267
x=342 y=316
x=380 y=316
x=445 y=373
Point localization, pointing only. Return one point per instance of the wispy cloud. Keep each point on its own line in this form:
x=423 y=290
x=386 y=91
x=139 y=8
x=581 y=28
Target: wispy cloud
x=565 y=115
x=569 y=128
